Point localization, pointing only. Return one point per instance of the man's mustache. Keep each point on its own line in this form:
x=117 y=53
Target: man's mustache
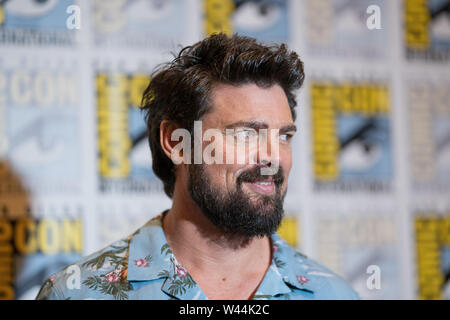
x=254 y=175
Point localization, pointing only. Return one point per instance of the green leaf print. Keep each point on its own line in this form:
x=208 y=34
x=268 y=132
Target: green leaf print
x=301 y=255
x=93 y=282
x=177 y=287
x=279 y=263
x=165 y=249
x=117 y=289
x=164 y=273
x=188 y=281
x=114 y=256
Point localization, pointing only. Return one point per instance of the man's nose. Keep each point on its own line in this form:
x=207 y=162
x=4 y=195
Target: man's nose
x=268 y=153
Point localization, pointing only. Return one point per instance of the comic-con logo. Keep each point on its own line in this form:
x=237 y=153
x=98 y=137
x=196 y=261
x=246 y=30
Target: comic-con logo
x=349 y=243
x=33 y=249
x=35 y=22
x=153 y=24
x=351 y=136
x=340 y=28
x=124 y=159
x=262 y=19
x=433 y=255
x=427 y=29
x=429 y=135
x=40 y=129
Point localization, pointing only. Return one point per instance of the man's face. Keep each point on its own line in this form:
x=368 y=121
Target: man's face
x=235 y=196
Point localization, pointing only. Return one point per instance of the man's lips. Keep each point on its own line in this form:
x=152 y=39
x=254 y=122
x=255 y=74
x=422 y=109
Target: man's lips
x=264 y=187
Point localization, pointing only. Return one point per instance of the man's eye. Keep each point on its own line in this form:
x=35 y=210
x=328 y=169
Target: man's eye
x=285 y=137
x=245 y=134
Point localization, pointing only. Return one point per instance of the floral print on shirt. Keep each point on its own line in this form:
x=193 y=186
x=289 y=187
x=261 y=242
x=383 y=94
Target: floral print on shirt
x=114 y=282
x=143 y=266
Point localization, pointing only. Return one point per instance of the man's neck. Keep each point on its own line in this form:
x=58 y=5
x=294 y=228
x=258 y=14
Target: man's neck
x=205 y=250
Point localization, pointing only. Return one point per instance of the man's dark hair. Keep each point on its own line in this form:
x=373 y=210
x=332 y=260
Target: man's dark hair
x=180 y=90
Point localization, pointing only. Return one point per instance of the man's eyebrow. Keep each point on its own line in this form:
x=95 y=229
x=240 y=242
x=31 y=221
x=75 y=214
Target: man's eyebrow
x=290 y=127
x=260 y=125
x=249 y=124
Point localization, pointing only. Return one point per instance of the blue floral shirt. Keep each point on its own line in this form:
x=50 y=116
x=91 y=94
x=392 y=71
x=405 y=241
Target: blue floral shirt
x=142 y=266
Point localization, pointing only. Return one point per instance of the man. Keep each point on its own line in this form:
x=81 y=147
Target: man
x=218 y=239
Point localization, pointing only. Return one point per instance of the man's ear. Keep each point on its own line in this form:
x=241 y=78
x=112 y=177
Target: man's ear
x=165 y=136
x=169 y=135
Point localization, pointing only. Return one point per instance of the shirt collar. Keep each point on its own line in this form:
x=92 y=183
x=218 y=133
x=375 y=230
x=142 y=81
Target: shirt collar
x=150 y=258
x=294 y=268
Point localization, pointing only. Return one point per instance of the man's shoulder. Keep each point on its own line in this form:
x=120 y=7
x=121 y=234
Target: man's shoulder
x=333 y=285
x=100 y=275
x=312 y=275
x=94 y=271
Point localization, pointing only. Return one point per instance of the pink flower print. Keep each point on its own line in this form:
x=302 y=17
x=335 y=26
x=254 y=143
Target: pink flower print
x=275 y=248
x=141 y=262
x=113 y=276
x=180 y=270
x=302 y=279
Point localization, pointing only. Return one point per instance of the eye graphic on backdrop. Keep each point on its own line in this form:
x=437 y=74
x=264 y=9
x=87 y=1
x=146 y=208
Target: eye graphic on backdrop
x=150 y=9
x=255 y=15
x=360 y=148
x=139 y=154
x=352 y=18
x=38 y=141
x=446 y=285
x=443 y=151
x=440 y=19
x=29 y=8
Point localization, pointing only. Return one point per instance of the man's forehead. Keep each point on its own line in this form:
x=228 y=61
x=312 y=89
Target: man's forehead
x=249 y=102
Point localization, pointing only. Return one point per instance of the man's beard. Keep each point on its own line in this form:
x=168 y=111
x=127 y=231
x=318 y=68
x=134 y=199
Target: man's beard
x=237 y=213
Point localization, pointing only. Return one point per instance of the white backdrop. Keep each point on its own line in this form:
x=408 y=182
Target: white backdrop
x=370 y=184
